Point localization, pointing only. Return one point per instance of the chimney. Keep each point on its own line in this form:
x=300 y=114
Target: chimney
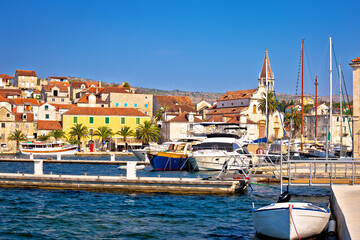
x=99 y=84
x=180 y=110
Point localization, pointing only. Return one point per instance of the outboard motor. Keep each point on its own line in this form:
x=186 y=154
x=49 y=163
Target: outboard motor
x=285 y=196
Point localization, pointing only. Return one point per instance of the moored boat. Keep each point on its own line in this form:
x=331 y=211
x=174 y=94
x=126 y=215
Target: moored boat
x=175 y=158
x=290 y=220
x=43 y=148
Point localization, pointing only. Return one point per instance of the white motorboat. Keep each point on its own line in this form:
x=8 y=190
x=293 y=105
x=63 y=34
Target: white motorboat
x=43 y=148
x=290 y=220
x=216 y=149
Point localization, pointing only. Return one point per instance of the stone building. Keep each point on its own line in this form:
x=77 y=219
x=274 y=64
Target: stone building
x=355 y=64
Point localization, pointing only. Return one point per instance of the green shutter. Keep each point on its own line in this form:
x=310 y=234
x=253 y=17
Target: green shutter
x=75 y=119
x=91 y=120
x=107 y=120
x=137 y=120
x=122 y=120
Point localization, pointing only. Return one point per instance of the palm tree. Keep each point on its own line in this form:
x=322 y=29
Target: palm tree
x=17 y=136
x=43 y=138
x=295 y=116
x=104 y=133
x=125 y=132
x=57 y=134
x=147 y=132
x=271 y=107
x=79 y=131
x=71 y=139
x=160 y=112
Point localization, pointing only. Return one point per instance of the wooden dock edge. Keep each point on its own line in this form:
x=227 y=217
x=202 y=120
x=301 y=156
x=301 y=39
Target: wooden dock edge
x=121 y=184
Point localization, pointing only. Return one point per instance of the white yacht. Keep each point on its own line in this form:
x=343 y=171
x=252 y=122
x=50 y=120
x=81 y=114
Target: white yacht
x=216 y=149
x=43 y=148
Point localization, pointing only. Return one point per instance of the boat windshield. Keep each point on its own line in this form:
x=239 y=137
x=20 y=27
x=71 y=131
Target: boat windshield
x=229 y=147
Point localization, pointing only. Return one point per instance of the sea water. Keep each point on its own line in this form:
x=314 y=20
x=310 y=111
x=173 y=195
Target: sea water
x=70 y=214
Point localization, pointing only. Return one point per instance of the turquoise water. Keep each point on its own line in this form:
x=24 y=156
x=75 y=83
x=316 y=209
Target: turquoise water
x=68 y=214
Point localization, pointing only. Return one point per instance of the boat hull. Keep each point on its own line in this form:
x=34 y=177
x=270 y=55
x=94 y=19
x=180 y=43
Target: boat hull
x=141 y=154
x=164 y=161
x=212 y=162
x=277 y=222
x=50 y=151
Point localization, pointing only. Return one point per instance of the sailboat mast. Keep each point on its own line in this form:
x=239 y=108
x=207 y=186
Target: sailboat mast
x=341 y=116
x=266 y=91
x=302 y=94
x=330 y=90
x=316 y=107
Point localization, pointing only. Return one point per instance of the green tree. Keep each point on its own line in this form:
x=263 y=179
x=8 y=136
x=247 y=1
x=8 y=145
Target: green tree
x=126 y=84
x=160 y=112
x=125 y=132
x=295 y=116
x=57 y=134
x=271 y=106
x=17 y=136
x=79 y=131
x=147 y=132
x=71 y=139
x=308 y=107
x=43 y=138
x=103 y=132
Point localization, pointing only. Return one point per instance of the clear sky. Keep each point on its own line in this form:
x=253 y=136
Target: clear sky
x=210 y=46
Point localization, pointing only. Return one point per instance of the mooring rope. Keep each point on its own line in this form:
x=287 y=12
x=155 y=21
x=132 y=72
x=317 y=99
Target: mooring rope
x=292 y=220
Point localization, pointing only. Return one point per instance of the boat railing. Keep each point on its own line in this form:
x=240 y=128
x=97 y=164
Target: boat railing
x=322 y=171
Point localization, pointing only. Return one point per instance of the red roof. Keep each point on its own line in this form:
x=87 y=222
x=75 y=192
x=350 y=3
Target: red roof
x=266 y=71
x=99 y=111
x=77 y=84
x=37 y=91
x=183 y=108
x=22 y=101
x=85 y=99
x=115 y=90
x=221 y=111
x=58 y=77
x=26 y=73
x=173 y=100
x=62 y=88
x=49 y=125
x=356 y=59
x=19 y=117
x=215 y=118
x=184 y=117
x=2 y=99
x=5 y=77
x=240 y=94
x=235 y=119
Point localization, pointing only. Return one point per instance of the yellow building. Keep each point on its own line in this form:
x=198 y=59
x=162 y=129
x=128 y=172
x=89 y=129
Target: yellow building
x=307 y=101
x=114 y=118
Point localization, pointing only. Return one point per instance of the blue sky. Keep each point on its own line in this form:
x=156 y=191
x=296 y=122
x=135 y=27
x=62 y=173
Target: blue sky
x=210 y=46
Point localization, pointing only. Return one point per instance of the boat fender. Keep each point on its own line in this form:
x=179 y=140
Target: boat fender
x=331 y=228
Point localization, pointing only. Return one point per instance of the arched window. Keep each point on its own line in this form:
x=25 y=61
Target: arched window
x=276 y=118
x=254 y=108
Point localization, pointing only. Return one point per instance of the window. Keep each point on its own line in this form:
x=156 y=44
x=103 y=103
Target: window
x=122 y=120
x=2 y=136
x=55 y=93
x=137 y=120
x=75 y=120
x=146 y=105
x=91 y=120
x=3 y=125
x=107 y=120
x=125 y=104
x=53 y=99
x=135 y=105
x=62 y=100
x=46 y=116
x=8 y=115
x=254 y=108
x=46 y=107
x=116 y=104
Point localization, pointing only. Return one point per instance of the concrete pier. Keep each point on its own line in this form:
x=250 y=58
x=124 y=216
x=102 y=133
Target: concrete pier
x=123 y=184
x=64 y=161
x=345 y=206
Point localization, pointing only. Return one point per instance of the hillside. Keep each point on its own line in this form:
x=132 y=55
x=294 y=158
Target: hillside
x=207 y=96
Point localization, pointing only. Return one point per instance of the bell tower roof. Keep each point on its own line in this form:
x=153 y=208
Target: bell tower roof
x=266 y=69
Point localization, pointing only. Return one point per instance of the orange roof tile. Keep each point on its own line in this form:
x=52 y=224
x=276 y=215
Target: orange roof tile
x=215 y=118
x=85 y=99
x=184 y=117
x=19 y=117
x=220 y=111
x=54 y=77
x=173 y=100
x=26 y=73
x=116 y=90
x=77 y=84
x=37 y=91
x=240 y=94
x=99 y=111
x=49 y=125
x=62 y=88
x=184 y=108
x=356 y=59
x=266 y=71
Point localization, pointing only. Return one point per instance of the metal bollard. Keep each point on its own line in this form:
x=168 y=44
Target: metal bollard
x=131 y=170
x=38 y=167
